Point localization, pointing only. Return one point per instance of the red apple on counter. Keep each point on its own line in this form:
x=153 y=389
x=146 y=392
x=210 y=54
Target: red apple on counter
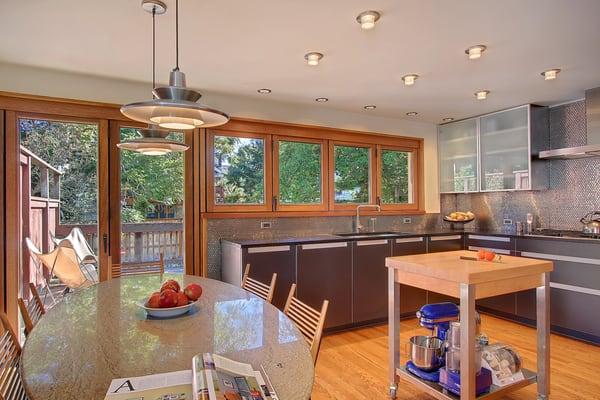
x=168 y=298
x=171 y=284
x=193 y=291
x=182 y=299
x=154 y=300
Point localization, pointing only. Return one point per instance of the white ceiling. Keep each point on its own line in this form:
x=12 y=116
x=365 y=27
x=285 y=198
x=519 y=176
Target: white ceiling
x=235 y=47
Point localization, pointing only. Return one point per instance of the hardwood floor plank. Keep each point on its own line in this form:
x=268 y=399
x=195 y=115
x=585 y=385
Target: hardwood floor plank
x=353 y=364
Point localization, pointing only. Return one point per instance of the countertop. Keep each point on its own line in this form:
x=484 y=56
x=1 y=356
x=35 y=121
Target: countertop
x=322 y=238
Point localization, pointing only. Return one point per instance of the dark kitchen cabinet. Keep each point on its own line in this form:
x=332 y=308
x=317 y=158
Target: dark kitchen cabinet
x=324 y=272
x=265 y=261
x=437 y=244
x=369 y=280
x=506 y=303
x=411 y=298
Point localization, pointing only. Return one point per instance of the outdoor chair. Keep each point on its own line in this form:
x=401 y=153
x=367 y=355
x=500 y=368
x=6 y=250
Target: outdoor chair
x=11 y=385
x=77 y=241
x=33 y=311
x=258 y=288
x=309 y=321
x=139 y=268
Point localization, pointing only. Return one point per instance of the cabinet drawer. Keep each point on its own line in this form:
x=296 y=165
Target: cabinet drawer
x=490 y=242
x=445 y=243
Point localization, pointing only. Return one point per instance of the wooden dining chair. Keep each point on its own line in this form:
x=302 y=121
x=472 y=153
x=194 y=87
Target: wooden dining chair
x=141 y=268
x=258 y=288
x=308 y=320
x=33 y=310
x=11 y=385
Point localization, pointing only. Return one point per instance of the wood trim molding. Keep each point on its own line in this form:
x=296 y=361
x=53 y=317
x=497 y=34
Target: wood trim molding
x=2 y=211
x=323 y=206
x=304 y=214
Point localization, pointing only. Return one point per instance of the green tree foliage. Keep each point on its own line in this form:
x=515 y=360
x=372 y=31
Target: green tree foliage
x=351 y=174
x=394 y=177
x=299 y=173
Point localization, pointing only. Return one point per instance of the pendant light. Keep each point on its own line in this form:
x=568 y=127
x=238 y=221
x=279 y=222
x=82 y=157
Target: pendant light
x=154 y=140
x=175 y=106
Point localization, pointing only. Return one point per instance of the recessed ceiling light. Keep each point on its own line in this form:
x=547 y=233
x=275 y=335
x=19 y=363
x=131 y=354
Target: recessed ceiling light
x=367 y=19
x=264 y=91
x=410 y=79
x=475 y=52
x=370 y=107
x=412 y=113
x=448 y=119
x=550 y=74
x=482 y=94
x=322 y=99
x=313 y=58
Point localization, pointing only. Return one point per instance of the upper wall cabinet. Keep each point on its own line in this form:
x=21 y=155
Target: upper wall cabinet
x=457 y=146
x=505 y=146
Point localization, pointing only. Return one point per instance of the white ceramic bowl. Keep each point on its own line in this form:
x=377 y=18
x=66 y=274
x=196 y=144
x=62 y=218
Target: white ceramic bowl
x=167 y=312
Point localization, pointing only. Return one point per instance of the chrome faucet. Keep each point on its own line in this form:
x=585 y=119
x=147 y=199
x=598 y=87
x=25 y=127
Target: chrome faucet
x=357 y=226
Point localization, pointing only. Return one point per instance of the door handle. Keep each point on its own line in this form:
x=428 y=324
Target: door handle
x=105 y=243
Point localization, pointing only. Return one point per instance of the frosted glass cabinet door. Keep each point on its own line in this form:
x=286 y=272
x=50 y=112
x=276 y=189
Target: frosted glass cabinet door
x=504 y=146
x=457 y=144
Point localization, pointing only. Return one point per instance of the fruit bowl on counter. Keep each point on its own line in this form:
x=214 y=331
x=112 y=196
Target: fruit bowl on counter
x=171 y=301
x=458 y=219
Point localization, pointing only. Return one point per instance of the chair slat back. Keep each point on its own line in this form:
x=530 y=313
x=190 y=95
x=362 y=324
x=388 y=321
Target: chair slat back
x=11 y=385
x=33 y=310
x=258 y=288
x=309 y=321
x=142 y=268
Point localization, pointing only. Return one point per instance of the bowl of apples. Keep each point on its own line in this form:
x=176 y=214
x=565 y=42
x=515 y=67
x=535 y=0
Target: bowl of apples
x=171 y=301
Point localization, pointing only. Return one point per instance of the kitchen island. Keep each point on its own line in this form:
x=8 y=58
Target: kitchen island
x=468 y=280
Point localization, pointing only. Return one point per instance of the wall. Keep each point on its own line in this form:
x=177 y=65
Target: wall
x=574 y=184
x=45 y=82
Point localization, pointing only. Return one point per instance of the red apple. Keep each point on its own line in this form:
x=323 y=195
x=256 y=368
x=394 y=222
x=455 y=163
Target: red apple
x=193 y=291
x=182 y=299
x=154 y=300
x=490 y=256
x=171 y=284
x=168 y=298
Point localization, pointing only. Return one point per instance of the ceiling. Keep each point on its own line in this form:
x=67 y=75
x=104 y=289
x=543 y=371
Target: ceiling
x=236 y=47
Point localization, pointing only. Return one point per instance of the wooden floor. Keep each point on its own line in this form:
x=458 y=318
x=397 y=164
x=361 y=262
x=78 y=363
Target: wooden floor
x=353 y=365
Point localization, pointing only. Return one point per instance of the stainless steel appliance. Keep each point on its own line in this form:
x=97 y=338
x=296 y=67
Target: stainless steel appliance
x=591 y=223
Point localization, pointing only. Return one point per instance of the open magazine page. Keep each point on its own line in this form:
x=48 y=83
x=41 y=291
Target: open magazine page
x=231 y=380
x=172 y=386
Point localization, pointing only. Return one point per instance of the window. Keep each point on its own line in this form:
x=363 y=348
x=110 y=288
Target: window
x=240 y=178
x=396 y=178
x=299 y=171
x=352 y=175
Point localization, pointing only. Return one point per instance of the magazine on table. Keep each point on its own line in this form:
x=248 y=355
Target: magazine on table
x=212 y=377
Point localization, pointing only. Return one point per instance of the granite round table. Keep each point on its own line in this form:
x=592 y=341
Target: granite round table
x=100 y=333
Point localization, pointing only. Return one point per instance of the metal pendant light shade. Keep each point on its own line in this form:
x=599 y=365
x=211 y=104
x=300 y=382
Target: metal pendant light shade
x=174 y=106
x=153 y=142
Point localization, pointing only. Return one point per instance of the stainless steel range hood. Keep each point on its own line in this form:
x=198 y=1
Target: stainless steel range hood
x=592 y=149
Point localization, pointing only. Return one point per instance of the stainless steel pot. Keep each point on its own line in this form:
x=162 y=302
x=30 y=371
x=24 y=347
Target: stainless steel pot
x=426 y=352
x=591 y=223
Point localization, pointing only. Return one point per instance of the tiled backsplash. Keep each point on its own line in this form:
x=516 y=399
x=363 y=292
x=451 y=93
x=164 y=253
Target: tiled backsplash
x=574 y=184
x=249 y=228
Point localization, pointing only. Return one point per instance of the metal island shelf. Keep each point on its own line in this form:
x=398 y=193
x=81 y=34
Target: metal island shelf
x=448 y=274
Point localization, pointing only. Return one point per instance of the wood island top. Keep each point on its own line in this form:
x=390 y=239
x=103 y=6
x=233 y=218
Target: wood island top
x=444 y=272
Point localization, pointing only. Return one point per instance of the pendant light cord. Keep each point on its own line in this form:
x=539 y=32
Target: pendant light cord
x=177 y=35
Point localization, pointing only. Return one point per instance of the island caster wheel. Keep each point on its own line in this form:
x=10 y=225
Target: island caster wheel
x=393 y=390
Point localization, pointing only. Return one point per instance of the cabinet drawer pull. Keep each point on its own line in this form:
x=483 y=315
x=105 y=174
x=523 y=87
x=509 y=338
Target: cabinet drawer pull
x=440 y=238
x=410 y=240
x=371 y=242
x=323 y=245
x=490 y=238
x=557 y=257
x=267 y=249
x=578 y=289
x=499 y=251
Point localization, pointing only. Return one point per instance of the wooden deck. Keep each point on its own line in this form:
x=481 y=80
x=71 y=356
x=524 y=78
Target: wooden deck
x=354 y=365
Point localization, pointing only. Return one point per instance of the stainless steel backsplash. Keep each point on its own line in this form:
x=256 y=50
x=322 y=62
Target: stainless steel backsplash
x=574 y=184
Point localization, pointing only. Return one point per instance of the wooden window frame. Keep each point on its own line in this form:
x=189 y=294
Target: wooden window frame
x=211 y=206
x=333 y=206
x=415 y=169
x=278 y=206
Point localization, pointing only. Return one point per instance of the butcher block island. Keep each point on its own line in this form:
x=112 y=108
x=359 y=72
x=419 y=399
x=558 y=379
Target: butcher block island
x=461 y=275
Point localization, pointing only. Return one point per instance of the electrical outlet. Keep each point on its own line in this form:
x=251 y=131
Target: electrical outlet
x=407 y=220
x=507 y=221
x=266 y=225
